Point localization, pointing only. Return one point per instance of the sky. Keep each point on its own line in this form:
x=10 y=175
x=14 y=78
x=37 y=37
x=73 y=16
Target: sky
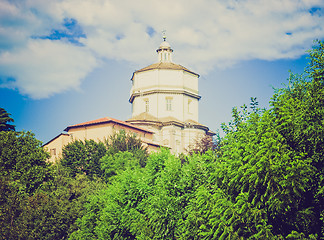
x=64 y=62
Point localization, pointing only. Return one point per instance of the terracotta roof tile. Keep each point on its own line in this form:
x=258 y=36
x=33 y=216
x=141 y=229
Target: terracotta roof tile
x=106 y=120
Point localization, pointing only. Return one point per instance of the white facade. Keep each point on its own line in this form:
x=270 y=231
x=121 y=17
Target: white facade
x=164 y=98
x=164 y=92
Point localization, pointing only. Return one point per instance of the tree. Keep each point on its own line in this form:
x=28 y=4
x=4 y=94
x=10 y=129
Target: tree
x=268 y=182
x=203 y=144
x=315 y=68
x=23 y=172
x=23 y=160
x=4 y=119
x=10 y=211
x=47 y=214
x=145 y=203
x=52 y=214
x=113 y=164
x=83 y=157
x=122 y=141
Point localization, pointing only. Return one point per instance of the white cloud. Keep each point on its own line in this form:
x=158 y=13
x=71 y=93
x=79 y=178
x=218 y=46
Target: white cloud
x=46 y=67
x=204 y=34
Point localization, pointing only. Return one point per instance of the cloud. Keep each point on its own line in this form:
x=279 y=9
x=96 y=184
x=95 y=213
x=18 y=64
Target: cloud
x=45 y=67
x=204 y=34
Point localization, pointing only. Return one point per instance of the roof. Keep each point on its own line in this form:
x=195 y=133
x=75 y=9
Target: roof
x=61 y=134
x=106 y=120
x=145 y=116
x=152 y=143
x=166 y=65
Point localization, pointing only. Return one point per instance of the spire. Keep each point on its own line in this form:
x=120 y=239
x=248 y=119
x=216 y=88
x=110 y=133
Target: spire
x=164 y=51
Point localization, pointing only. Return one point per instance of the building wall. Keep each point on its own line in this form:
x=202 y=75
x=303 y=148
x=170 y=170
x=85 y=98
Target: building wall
x=183 y=107
x=190 y=136
x=55 y=146
x=96 y=133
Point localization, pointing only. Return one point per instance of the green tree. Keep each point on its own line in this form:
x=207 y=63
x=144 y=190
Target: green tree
x=268 y=182
x=83 y=157
x=122 y=141
x=52 y=214
x=23 y=172
x=113 y=164
x=47 y=214
x=4 y=121
x=315 y=68
x=10 y=211
x=23 y=160
x=145 y=203
x=202 y=145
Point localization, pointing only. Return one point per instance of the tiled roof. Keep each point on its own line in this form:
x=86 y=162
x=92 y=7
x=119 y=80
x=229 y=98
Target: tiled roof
x=106 y=120
x=166 y=65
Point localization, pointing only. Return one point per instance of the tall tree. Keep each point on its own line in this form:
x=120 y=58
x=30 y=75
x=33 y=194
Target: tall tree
x=83 y=157
x=23 y=160
x=5 y=120
x=23 y=172
x=126 y=142
x=146 y=203
x=268 y=182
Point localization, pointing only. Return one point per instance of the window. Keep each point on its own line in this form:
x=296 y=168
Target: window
x=168 y=104
x=53 y=151
x=147 y=105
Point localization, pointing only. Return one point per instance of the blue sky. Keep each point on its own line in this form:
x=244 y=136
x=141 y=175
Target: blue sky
x=66 y=62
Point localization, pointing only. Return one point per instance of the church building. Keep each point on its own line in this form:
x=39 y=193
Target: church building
x=164 y=98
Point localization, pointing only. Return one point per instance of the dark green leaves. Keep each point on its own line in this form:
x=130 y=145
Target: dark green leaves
x=83 y=157
x=23 y=160
x=5 y=120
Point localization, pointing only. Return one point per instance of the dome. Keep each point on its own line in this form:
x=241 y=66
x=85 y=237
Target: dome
x=165 y=44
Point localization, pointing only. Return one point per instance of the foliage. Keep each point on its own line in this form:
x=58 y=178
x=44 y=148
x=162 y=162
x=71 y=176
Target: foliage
x=268 y=182
x=145 y=203
x=48 y=214
x=23 y=160
x=4 y=121
x=114 y=164
x=315 y=68
x=203 y=144
x=83 y=157
x=126 y=142
x=10 y=210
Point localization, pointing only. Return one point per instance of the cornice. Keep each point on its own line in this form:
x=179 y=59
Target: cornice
x=184 y=92
x=160 y=124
